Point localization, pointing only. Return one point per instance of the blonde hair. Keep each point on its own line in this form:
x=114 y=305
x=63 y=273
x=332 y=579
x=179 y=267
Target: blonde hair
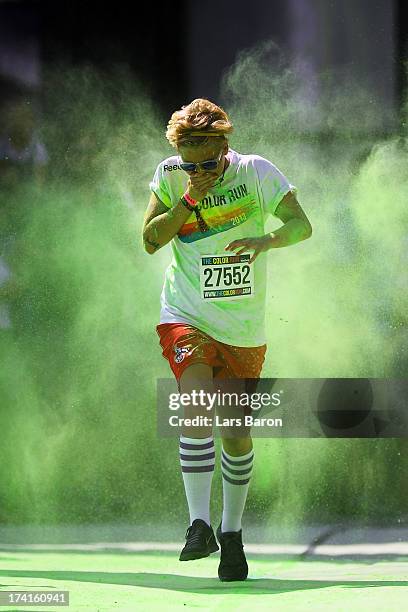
x=196 y=123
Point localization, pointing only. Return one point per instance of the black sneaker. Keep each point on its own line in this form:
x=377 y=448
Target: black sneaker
x=233 y=564
x=200 y=541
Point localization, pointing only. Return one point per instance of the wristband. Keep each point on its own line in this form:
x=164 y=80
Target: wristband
x=201 y=223
x=187 y=205
x=189 y=199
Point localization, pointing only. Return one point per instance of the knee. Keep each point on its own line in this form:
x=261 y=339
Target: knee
x=237 y=446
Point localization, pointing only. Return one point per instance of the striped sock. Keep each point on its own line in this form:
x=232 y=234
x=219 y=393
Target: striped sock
x=197 y=459
x=236 y=475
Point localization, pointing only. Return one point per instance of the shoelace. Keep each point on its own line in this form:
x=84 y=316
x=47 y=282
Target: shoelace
x=195 y=537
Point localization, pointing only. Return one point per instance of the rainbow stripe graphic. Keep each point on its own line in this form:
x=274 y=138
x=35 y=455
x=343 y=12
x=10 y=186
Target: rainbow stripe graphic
x=217 y=222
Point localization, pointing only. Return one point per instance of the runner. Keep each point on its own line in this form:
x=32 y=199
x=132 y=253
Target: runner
x=211 y=202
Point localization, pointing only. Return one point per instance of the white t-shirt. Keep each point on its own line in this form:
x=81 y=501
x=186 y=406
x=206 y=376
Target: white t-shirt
x=222 y=296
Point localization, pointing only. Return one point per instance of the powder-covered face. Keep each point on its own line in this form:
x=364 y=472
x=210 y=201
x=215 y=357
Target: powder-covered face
x=204 y=153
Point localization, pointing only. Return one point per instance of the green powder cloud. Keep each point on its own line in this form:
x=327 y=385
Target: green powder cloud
x=80 y=363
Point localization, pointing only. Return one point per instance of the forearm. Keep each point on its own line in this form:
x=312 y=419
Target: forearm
x=161 y=229
x=293 y=231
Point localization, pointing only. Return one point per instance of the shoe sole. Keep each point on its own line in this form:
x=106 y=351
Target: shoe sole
x=191 y=556
x=225 y=579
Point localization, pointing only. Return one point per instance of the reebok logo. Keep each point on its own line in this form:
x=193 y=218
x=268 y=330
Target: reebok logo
x=170 y=168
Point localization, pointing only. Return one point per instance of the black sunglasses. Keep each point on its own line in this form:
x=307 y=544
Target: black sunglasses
x=209 y=164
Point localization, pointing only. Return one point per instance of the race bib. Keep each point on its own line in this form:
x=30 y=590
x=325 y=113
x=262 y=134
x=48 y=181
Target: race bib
x=226 y=277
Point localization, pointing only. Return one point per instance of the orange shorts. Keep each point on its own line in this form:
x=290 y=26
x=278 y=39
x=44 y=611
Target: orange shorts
x=184 y=344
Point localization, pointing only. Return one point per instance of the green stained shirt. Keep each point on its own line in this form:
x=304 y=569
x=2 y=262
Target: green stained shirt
x=222 y=296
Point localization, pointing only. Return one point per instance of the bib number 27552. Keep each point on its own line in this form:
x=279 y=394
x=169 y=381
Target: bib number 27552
x=226 y=277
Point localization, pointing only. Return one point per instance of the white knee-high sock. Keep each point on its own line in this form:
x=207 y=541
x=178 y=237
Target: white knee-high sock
x=236 y=476
x=197 y=459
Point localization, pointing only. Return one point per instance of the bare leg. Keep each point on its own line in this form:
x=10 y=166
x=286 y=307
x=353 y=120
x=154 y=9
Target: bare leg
x=195 y=377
